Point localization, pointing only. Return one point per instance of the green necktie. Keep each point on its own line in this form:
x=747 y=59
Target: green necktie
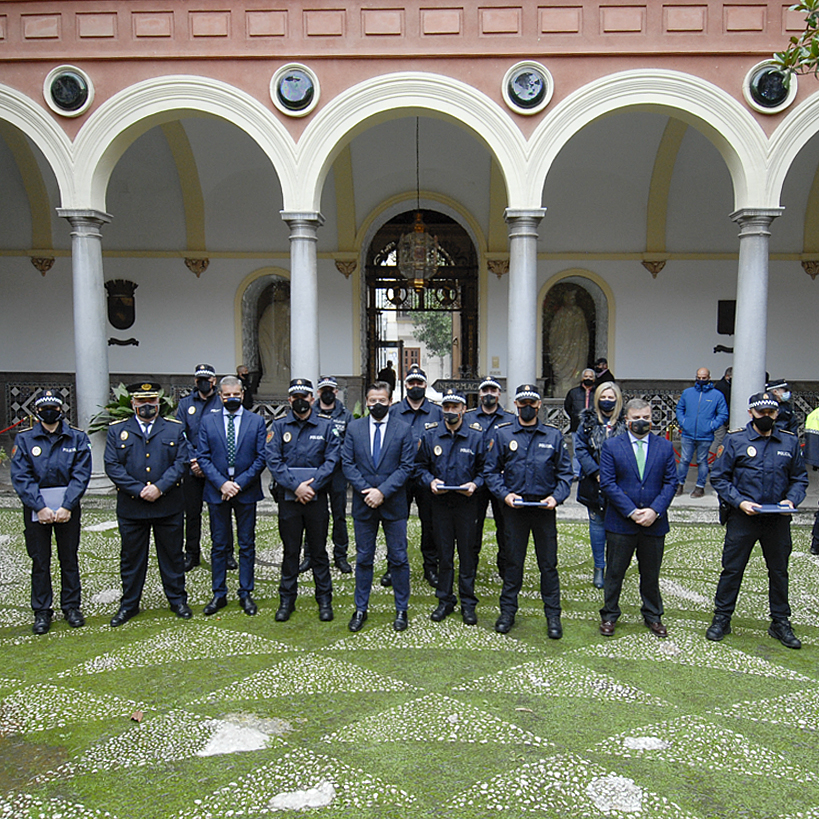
x=231 y=441
x=641 y=458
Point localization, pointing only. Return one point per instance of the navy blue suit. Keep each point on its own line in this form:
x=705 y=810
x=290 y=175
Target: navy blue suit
x=212 y=455
x=390 y=475
x=626 y=492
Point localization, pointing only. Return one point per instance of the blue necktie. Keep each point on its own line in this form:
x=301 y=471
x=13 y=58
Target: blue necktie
x=231 y=441
x=377 y=442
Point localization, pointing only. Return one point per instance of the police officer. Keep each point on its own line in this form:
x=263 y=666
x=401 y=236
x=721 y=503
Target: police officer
x=201 y=401
x=786 y=419
x=486 y=417
x=146 y=456
x=302 y=453
x=527 y=461
x=419 y=412
x=759 y=464
x=452 y=454
x=50 y=471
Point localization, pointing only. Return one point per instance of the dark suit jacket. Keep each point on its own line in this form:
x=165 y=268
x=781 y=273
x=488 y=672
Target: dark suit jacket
x=391 y=473
x=211 y=453
x=132 y=462
x=621 y=484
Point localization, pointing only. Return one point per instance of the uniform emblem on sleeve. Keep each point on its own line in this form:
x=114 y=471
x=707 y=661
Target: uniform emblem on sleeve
x=270 y=436
x=751 y=451
x=490 y=444
x=13 y=450
x=437 y=450
x=191 y=410
x=286 y=437
x=720 y=450
x=123 y=436
x=35 y=450
x=513 y=445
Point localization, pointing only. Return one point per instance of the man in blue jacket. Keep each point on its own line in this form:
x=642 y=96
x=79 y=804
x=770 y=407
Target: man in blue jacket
x=701 y=411
x=638 y=476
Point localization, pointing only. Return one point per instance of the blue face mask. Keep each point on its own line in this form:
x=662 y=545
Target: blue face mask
x=701 y=384
x=607 y=406
x=786 y=395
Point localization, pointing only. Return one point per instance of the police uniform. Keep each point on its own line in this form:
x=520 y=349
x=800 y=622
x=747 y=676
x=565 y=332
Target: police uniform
x=135 y=459
x=52 y=460
x=456 y=458
x=533 y=462
x=760 y=469
x=420 y=420
x=190 y=412
x=487 y=421
x=786 y=419
x=309 y=444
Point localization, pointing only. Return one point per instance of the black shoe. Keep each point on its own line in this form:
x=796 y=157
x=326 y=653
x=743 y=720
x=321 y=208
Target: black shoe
x=283 y=612
x=720 y=626
x=191 y=562
x=597 y=581
x=401 y=622
x=679 y=490
x=123 y=616
x=305 y=565
x=431 y=576
x=230 y=563
x=325 y=611
x=74 y=618
x=214 y=606
x=343 y=565
x=555 y=628
x=814 y=546
x=357 y=621
x=386 y=580
x=182 y=610
x=504 y=623
x=248 y=605
x=42 y=622
x=443 y=610
x=469 y=617
x=781 y=630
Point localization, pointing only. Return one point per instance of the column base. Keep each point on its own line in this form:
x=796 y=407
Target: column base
x=100 y=484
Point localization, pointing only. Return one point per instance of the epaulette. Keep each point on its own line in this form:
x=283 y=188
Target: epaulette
x=430 y=425
x=786 y=431
x=79 y=429
x=325 y=415
x=553 y=426
x=477 y=426
x=738 y=429
x=173 y=420
x=120 y=421
x=504 y=424
x=474 y=409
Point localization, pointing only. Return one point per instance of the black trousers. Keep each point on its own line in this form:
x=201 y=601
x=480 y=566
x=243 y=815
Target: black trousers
x=295 y=521
x=454 y=521
x=422 y=495
x=541 y=524
x=38 y=546
x=620 y=548
x=484 y=498
x=133 y=562
x=338 y=509
x=741 y=534
x=193 y=489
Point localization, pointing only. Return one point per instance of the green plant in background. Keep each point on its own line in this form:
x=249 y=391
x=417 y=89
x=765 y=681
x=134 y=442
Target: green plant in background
x=120 y=408
x=802 y=54
x=4 y=456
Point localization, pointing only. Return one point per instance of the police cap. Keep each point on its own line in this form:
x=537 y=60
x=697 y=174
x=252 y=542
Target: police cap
x=204 y=371
x=415 y=373
x=300 y=386
x=525 y=391
x=762 y=400
x=48 y=398
x=489 y=381
x=327 y=381
x=777 y=384
x=144 y=389
x=452 y=396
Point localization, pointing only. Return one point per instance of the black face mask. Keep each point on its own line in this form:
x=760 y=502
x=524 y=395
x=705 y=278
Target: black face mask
x=300 y=405
x=379 y=411
x=489 y=400
x=588 y=382
x=764 y=423
x=528 y=413
x=328 y=397
x=50 y=415
x=416 y=393
x=607 y=406
x=452 y=418
x=232 y=404
x=204 y=386
x=640 y=426
x=147 y=411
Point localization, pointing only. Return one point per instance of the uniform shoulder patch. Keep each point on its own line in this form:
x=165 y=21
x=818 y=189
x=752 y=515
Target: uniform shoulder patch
x=173 y=421
x=431 y=425
x=120 y=421
x=551 y=426
x=720 y=450
x=786 y=431
x=270 y=435
x=477 y=426
x=474 y=409
x=738 y=429
x=503 y=424
x=78 y=429
x=325 y=415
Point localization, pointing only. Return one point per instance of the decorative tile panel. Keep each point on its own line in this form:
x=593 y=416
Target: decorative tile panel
x=152 y=24
x=101 y=25
x=623 y=19
x=500 y=20
x=266 y=23
x=560 y=20
x=3 y=23
x=324 y=22
x=209 y=23
x=745 y=19
x=382 y=22
x=441 y=21
x=681 y=19
x=42 y=26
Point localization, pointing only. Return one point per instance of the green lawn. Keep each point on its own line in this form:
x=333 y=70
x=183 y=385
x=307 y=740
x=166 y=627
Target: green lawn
x=443 y=720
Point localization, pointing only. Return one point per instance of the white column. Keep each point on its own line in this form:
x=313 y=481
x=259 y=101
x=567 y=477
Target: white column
x=90 y=317
x=751 y=330
x=304 y=336
x=521 y=367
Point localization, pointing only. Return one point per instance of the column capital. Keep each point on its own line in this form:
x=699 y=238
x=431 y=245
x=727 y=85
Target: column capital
x=84 y=215
x=755 y=220
x=515 y=214
x=302 y=216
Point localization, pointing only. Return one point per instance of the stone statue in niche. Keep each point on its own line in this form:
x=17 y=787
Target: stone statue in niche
x=274 y=344
x=568 y=343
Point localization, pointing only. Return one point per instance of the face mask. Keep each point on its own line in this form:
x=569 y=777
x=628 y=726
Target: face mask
x=416 y=393
x=300 y=405
x=147 y=411
x=528 y=413
x=489 y=400
x=203 y=385
x=764 y=423
x=640 y=426
x=701 y=383
x=607 y=405
x=786 y=395
x=328 y=397
x=379 y=411
x=232 y=404
x=587 y=382
x=452 y=418
x=50 y=415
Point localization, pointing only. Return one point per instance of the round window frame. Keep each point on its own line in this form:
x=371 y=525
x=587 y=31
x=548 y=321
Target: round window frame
x=49 y=81
x=749 y=97
x=274 y=90
x=548 y=81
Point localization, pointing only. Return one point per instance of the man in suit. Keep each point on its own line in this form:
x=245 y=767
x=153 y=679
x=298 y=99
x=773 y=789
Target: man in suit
x=638 y=476
x=231 y=454
x=378 y=459
x=146 y=457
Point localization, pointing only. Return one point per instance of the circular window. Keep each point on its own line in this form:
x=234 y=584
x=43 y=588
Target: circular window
x=527 y=87
x=68 y=91
x=768 y=89
x=294 y=90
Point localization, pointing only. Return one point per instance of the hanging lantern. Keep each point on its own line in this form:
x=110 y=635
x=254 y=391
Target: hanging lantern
x=418 y=254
